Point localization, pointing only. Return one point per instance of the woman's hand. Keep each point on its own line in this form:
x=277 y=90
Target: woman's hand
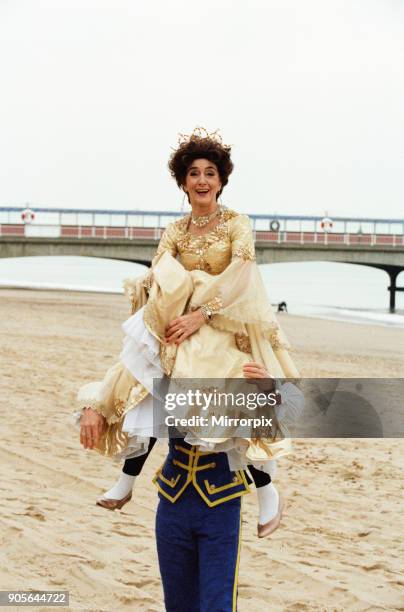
x=183 y=327
x=258 y=374
x=92 y=425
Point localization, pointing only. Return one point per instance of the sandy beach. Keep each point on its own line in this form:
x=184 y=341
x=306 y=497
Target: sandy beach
x=339 y=546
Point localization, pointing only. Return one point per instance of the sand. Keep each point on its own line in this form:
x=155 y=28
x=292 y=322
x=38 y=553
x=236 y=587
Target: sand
x=340 y=544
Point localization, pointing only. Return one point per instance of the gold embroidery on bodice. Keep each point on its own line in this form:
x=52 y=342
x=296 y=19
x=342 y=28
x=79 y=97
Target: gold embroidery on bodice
x=210 y=252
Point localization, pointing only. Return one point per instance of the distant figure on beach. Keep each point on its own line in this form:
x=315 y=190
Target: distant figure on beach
x=282 y=307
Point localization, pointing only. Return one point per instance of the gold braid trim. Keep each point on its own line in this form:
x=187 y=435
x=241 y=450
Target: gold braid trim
x=243 y=342
x=214 y=305
x=147 y=282
x=130 y=289
x=168 y=353
x=277 y=343
x=245 y=252
x=136 y=290
x=113 y=440
x=137 y=393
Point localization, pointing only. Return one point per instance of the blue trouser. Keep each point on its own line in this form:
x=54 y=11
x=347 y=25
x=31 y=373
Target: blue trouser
x=198 y=549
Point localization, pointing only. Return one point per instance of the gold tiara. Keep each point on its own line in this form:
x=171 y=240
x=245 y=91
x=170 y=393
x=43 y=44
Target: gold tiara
x=201 y=133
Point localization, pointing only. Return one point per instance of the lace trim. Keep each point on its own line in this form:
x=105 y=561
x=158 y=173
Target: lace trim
x=231 y=322
x=137 y=394
x=214 y=305
x=129 y=287
x=147 y=282
x=113 y=410
x=167 y=357
x=277 y=343
x=269 y=329
x=133 y=290
x=151 y=319
x=246 y=253
x=243 y=342
x=119 y=407
x=113 y=441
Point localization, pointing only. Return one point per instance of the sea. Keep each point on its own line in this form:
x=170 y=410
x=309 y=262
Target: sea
x=326 y=290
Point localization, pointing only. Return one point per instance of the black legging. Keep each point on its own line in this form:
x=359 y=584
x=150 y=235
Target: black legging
x=134 y=466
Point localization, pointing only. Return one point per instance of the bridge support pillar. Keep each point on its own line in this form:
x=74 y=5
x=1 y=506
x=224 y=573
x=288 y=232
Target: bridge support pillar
x=392 y=289
x=393 y=273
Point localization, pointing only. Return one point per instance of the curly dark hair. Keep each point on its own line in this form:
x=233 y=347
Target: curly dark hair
x=201 y=148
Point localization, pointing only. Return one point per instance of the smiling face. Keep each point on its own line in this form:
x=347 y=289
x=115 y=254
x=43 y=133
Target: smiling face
x=202 y=183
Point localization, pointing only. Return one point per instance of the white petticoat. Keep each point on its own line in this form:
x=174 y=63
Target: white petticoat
x=141 y=351
x=141 y=356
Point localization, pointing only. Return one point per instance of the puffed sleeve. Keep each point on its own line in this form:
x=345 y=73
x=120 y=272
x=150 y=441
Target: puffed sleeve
x=242 y=240
x=137 y=291
x=168 y=242
x=112 y=397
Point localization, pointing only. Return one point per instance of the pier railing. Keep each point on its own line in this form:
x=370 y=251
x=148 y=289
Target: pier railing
x=76 y=224
x=105 y=232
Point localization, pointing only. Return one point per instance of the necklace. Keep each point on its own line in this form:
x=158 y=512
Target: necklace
x=202 y=220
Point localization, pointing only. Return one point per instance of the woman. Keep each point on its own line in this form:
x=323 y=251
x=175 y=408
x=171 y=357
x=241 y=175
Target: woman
x=206 y=316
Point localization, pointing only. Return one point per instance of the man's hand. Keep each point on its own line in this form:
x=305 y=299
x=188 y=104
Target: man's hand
x=92 y=425
x=182 y=327
x=258 y=374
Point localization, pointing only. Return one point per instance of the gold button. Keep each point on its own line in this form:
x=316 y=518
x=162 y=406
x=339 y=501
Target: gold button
x=213 y=486
x=172 y=480
x=235 y=479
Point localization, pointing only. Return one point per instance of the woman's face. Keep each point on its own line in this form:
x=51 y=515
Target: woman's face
x=202 y=183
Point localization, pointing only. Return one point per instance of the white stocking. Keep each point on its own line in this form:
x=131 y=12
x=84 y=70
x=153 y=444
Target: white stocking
x=268 y=503
x=122 y=488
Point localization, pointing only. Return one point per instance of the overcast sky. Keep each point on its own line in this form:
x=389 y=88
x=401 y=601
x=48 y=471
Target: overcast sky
x=310 y=93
